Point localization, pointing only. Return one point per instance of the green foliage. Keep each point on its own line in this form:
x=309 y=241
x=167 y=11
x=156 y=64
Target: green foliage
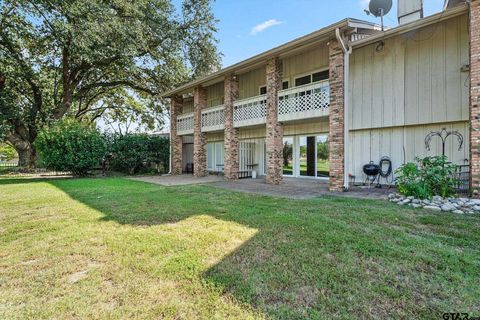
x=159 y=153
x=427 y=177
x=90 y=59
x=133 y=153
x=323 y=150
x=7 y=152
x=130 y=152
x=72 y=146
x=287 y=153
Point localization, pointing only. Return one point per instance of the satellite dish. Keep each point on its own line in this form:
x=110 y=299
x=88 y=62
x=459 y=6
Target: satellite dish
x=380 y=8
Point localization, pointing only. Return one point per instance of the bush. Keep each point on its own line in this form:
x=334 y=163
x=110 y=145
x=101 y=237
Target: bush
x=7 y=152
x=427 y=177
x=130 y=152
x=71 y=146
x=133 y=153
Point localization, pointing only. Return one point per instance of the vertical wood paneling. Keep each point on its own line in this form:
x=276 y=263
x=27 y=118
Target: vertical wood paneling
x=416 y=79
x=306 y=62
x=250 y=82
x=215 y=94
x=403 y=144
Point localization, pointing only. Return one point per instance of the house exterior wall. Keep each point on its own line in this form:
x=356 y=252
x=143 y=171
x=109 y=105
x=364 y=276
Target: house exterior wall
x=215 y=95
x=415 y=85
x=315 y=59
x=250 y=82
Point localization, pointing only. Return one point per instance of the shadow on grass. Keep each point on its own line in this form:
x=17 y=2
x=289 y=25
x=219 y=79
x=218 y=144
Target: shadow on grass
x=321 y=258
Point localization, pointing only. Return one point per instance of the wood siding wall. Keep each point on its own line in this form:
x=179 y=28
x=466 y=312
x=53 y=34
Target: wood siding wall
x=215 y=94
x=414 y=86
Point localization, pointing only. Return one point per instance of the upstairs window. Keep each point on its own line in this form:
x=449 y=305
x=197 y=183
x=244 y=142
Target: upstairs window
x=320 y=76
x=303 y=80
x=263 y=90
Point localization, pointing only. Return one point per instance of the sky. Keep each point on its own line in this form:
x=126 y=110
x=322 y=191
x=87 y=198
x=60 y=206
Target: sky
x=249 y=27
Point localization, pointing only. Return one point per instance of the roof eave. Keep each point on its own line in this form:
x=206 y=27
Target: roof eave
x=291 y=45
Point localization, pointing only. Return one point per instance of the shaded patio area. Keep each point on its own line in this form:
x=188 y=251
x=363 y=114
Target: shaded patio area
x=292 y=188
x=298 y=188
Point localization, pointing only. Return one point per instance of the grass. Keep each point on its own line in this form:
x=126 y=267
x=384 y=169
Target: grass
x=115 y=248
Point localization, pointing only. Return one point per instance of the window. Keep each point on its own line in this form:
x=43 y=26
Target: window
x=320 y=76
x=263 y=90
x=284 y=85
x=303 y=80
x=215 y=156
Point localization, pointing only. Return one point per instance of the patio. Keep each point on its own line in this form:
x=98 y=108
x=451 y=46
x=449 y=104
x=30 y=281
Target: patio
x=292 y=188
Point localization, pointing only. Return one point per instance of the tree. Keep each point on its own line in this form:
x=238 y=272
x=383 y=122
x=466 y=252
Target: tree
x=62 y=58
x=7 y=152
x=71 y=146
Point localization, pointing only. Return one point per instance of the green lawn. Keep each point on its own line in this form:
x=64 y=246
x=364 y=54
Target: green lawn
x=115 y=248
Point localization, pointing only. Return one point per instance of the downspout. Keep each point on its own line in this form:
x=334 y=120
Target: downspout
x=346 y=103
x=171 y=146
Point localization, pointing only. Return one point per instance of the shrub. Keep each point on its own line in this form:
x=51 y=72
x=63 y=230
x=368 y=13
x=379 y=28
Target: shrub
x=72 y=146
x=7 y=152
x=427 y=177
x=130 y=152
x=159 y=153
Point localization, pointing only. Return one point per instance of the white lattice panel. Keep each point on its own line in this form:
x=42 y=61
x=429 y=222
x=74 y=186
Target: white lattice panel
x=304 y=102
x=185 y=124
x=213 y=119
x=250 y=111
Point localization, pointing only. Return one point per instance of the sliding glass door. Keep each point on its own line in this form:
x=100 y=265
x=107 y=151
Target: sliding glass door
x=306 y=156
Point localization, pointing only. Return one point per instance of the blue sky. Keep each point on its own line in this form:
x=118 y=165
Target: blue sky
x=279 y=21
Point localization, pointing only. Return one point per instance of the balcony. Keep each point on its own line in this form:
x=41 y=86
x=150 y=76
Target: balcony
x=303 y=102
x=185 y=124
x=213 y=119
x=250 y=112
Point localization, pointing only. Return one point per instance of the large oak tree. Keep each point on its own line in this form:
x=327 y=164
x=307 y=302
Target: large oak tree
x=68 y=57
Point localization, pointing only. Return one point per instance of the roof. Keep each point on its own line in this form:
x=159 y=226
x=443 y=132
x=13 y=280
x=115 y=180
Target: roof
x=324 y=34
x=320 y=34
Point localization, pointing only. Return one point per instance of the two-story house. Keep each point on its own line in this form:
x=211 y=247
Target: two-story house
x=368 y=93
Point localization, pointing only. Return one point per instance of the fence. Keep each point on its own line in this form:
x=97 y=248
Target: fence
x=14 y=170
x=462 y=176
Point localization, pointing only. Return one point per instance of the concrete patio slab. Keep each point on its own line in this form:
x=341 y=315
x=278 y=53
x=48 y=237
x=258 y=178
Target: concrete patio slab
x=292 y=188
x=297 y=188
x=180 y=180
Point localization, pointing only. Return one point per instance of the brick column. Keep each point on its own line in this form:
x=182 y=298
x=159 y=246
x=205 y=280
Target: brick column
x=274 y=140
x=231 y=160
x=176 y=143
x=336 y=117
x=199 y=138
x=474 y=28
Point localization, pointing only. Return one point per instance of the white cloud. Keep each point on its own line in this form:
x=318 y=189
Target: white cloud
x=264 y=25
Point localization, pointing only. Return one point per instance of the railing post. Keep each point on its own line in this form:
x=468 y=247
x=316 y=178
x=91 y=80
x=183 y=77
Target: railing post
x=176 y=140
x=274 y=140
x=231 y=157
x=199 y=137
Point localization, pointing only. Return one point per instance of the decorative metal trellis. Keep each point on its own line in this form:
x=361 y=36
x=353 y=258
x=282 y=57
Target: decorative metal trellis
x=443 y=135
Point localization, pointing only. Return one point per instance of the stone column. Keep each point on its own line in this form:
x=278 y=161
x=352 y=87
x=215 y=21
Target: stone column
x=231 y=160
x=336 y=117
x=199 y=137
x=274 y=140
x=475 y=97
x=176 y=143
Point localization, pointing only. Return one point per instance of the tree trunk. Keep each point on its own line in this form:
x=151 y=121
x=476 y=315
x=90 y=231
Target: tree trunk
x=27 y=154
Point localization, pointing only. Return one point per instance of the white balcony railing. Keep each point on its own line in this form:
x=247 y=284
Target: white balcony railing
x=303 y=102
x=213 y=119
x=249 y=112
x=308 y=101
x=185 y=124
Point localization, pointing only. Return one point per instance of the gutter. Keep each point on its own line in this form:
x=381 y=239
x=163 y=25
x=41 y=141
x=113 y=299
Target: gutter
x=347 y=50
x=284 y=48
x=171 y=145
x=404 y=28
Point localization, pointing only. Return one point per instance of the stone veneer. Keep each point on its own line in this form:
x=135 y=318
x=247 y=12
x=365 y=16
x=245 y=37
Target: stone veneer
x=231 y=157
x=199 y=137
x=274 y=139
x=176 y=143
x=336 y=117
x=475 y=97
